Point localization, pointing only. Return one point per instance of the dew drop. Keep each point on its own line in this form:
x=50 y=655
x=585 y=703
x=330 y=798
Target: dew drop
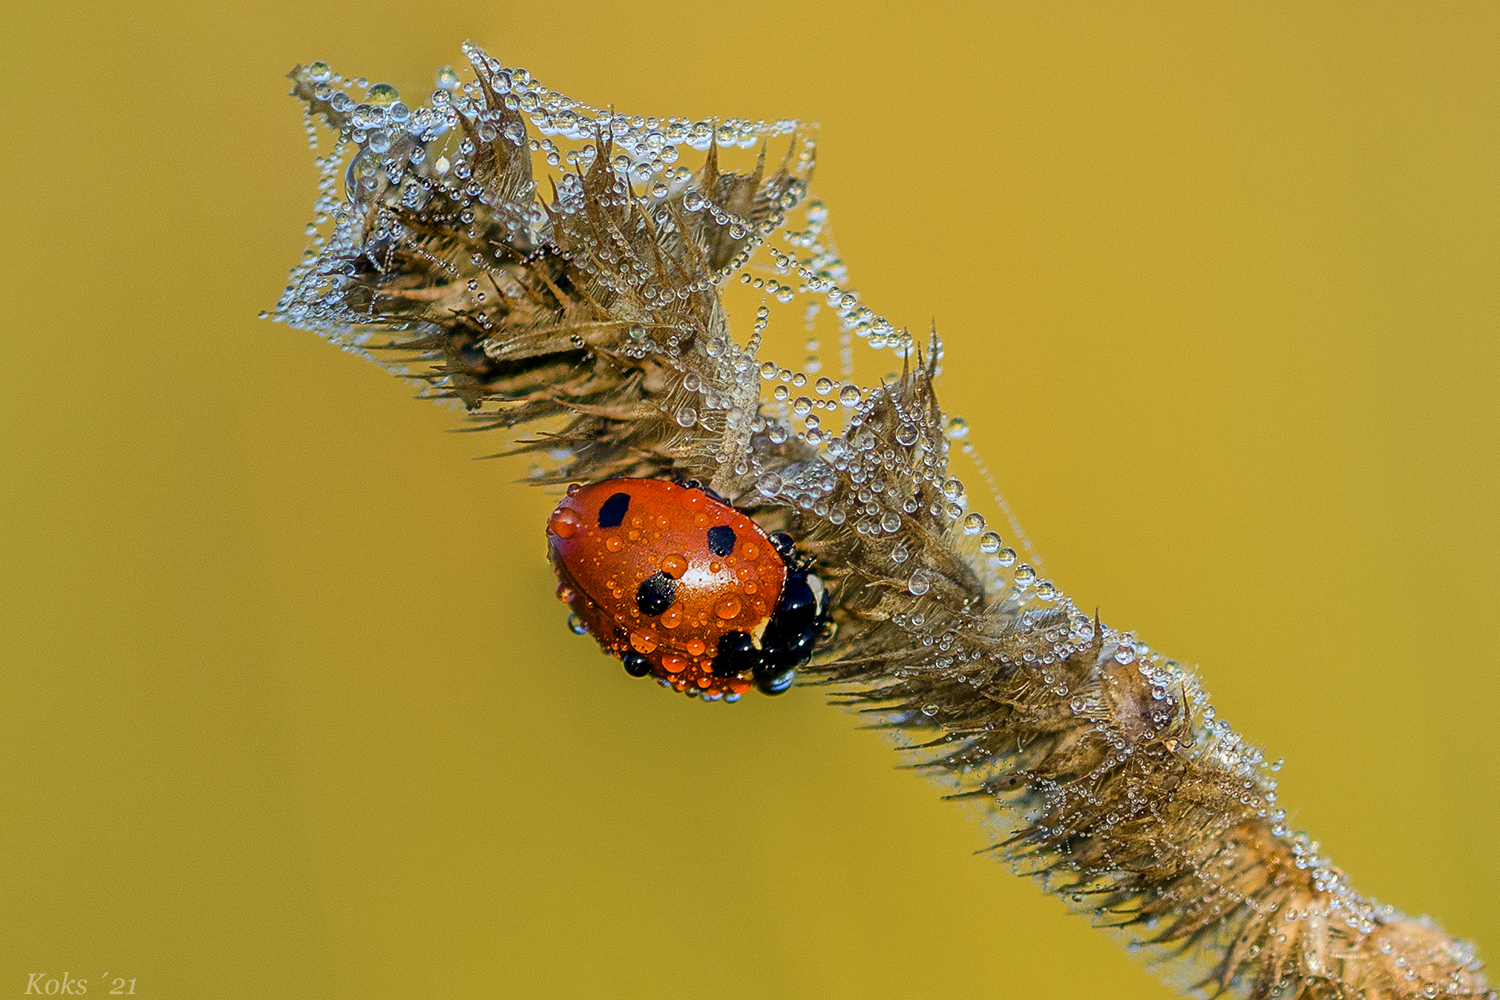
x=973 y=524
x=956 y=428
x=563 y=523
x=921 y=583
x=849 y=395
x=577 y=625
x=989 y=543
x=382 y=95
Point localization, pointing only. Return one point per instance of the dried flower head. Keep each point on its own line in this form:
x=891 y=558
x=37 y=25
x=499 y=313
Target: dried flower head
x=591 y=312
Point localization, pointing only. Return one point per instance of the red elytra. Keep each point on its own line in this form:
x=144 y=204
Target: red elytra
x=660 y=573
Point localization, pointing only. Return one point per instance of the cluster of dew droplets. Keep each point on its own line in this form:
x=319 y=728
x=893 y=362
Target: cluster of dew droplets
x=826 y=414
x=1034 y=606
x=389 y=156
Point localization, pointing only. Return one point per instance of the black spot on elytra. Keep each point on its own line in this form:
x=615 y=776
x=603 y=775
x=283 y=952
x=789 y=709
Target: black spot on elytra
x=656 y=593
x=613 y=510
x=721 y=540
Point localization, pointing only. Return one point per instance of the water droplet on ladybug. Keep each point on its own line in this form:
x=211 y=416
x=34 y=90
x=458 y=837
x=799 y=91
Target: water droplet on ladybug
x=641 y=642
x=673 y=664
x=727 y=607
x=695 y=647
x=613 y=543
x=563 y=523
x=577 y=625
x=674 y=565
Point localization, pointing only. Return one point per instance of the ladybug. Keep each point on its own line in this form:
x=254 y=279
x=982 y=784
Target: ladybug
x=683 y=587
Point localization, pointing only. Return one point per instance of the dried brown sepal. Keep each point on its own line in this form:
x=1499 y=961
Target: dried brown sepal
x=594 y=311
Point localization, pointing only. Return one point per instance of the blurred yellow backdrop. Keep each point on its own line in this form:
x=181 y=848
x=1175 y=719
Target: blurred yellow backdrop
x=288 y=709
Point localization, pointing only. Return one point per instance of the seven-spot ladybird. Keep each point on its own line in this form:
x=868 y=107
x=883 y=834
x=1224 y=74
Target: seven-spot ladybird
x=684 y=587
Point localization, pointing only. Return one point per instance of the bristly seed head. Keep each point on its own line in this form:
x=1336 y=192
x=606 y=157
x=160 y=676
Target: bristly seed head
x=591 y=305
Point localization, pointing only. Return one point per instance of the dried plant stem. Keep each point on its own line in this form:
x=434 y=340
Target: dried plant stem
x=594 y=313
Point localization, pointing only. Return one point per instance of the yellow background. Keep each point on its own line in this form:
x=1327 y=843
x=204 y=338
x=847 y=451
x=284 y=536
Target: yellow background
x=287 y=708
